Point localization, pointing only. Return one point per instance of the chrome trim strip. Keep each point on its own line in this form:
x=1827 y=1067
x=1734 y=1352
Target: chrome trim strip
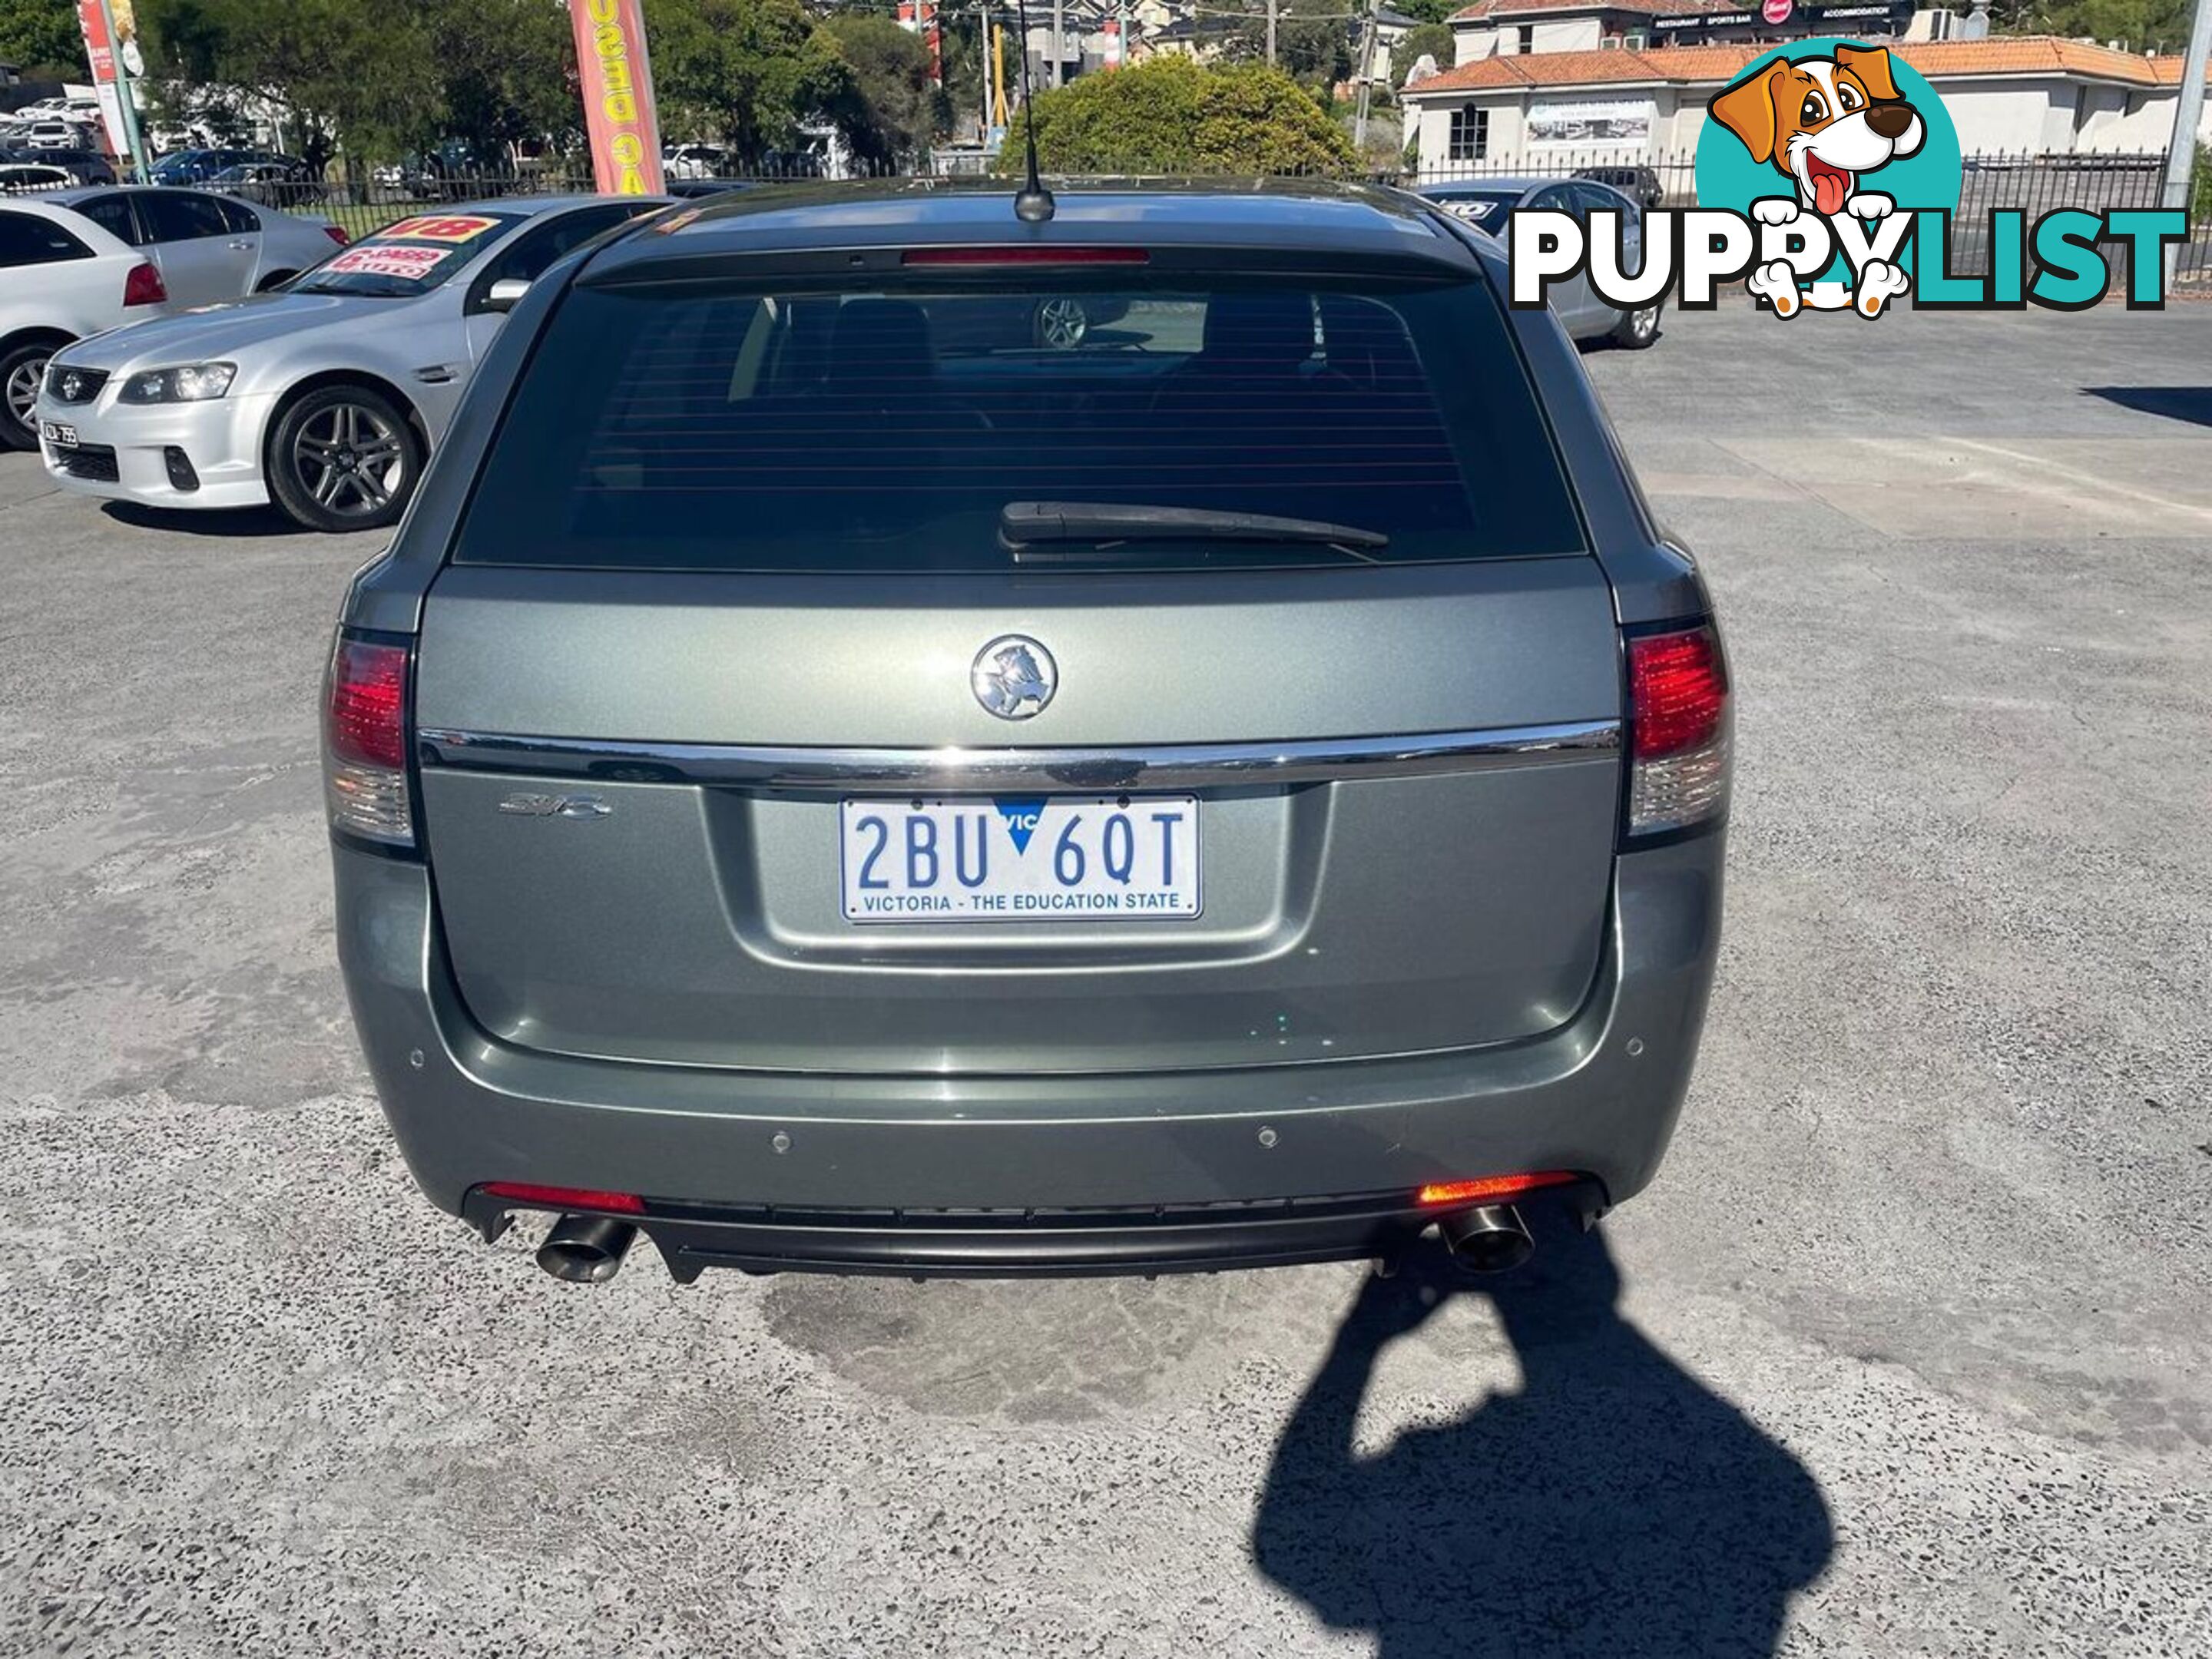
x=1178 y=766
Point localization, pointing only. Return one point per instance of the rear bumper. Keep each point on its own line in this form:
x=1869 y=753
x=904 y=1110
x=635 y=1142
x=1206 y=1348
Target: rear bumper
x=1047 y=1243
x=1152 y=1171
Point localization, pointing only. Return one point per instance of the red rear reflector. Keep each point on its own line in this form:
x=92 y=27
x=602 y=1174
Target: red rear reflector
x=367 y=721
x=565 y=1197
x=1677 y=692
x=336 y=233
x=143 y=285
x=1492 y=1189
x=1026 y=256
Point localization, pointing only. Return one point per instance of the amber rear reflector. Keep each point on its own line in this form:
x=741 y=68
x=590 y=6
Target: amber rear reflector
x=1492 y=1189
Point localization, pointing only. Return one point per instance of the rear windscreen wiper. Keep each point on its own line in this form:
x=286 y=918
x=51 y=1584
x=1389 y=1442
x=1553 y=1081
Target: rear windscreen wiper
x=1024 y=524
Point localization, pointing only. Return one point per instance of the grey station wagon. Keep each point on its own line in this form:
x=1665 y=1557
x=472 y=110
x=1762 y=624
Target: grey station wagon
x=828 y=781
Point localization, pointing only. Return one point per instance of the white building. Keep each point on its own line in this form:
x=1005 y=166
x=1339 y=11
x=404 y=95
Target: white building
x=1511 y=102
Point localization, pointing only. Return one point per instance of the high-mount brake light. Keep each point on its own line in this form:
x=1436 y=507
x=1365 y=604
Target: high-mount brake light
x=973 y=256
x=1492 y=1189
x=365 y=741
x=1678 y=722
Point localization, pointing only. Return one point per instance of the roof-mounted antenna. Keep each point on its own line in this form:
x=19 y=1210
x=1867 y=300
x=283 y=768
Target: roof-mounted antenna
x=1033 y=202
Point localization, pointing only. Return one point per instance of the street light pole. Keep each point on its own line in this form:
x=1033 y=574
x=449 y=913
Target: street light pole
x=1272 y=7
x=1059 y=43
x=126 y=108
x=2188 y=113
x=1365 y=72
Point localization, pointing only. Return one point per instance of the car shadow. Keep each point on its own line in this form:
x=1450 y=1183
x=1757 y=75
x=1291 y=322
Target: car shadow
x=229 y=523
x=1612 y=1506
x=2193 y=403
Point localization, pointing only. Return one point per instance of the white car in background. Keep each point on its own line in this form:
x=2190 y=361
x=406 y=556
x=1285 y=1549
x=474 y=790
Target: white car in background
x=61 y=278
x=210 y=245
x=324 y=398
x=197 y=247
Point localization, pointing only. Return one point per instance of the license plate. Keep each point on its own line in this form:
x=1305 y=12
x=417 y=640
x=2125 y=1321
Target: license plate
x=1060 y=858
x=59 y=433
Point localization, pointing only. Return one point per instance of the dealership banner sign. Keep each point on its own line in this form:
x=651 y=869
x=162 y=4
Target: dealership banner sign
x=99 y=53
x=617 y=87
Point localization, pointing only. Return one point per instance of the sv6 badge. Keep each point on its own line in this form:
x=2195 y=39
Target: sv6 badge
x=556 y=806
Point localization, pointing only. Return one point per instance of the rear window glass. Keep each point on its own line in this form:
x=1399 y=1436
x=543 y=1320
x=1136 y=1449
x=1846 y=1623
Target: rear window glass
x=919 y=427
x=408 y=257
x=25 y=239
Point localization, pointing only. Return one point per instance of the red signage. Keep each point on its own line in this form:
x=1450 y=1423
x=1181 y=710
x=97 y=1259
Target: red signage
x=1777 y=12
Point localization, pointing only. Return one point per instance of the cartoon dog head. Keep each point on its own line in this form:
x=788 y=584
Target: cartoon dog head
x=1822 y=122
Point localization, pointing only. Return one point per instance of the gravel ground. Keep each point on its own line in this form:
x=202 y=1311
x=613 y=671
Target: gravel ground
x=1907 y=1351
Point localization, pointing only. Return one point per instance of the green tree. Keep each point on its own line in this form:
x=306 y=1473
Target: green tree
x=41 y=39
x=896 y=109
x=1171 y=115
x=1312 y=41
x=340 y=68
x=1433 y=39
x=748 y=72
x=506 y=71
x=1429 y=11
x=2137 y=25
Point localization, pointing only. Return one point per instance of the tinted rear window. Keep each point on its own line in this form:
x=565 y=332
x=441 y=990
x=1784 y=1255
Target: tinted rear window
x=814 y=428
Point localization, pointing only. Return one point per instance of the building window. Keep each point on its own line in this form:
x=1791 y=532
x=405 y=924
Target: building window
x=1528 y=33
x=1470 y=135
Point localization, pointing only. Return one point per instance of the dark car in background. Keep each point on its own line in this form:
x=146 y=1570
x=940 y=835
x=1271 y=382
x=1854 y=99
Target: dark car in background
x=1486 y=203
x=1640 y=185
x=1247 y=799
x=286 y=183
x=84 y=167
x=197 y=167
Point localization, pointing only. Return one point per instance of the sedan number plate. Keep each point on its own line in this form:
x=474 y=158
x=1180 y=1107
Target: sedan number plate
x=59 y=433
x=1064 y=858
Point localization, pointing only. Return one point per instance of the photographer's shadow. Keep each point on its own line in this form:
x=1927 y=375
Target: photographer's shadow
x=1611 y=1506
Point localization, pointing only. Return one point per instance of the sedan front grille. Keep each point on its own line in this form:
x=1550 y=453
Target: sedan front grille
x=68 y=384
x=94 y=461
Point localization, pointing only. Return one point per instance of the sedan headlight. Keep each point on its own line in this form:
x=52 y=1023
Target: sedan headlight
x=191 y=383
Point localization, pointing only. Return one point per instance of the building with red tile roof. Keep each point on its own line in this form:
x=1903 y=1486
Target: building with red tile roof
x=1545 y=111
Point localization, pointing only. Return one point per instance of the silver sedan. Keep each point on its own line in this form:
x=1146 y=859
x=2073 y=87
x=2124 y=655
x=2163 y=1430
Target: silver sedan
x=326 y=398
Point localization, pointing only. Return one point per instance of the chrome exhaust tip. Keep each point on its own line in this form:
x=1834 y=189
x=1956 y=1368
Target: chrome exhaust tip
x=1492 y=1239
x=586 y=1250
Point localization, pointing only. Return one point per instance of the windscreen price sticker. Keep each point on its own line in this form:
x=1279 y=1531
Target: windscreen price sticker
x=438 y=228
x=410 y=264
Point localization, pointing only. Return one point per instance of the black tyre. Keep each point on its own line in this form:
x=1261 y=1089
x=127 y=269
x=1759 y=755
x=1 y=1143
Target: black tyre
x=23 y=366
x=343 y=458
x=1636 y=331
x=269 y=283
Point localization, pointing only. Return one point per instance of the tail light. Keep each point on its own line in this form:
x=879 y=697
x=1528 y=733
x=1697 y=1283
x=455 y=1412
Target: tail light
x=365 y=740
x=144 y=286
x=336 y=233
x=1678 y=730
